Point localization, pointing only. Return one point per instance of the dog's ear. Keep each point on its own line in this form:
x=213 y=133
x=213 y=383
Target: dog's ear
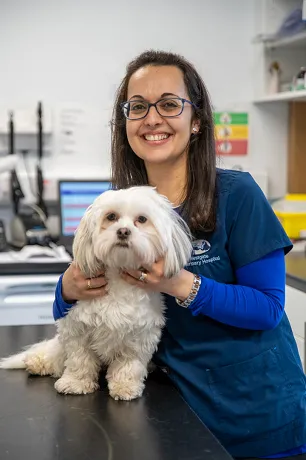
x=179 y=246
x=174 y=233
x=82 y=248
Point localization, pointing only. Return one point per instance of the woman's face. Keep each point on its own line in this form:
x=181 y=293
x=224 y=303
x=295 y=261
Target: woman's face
x=156 y=139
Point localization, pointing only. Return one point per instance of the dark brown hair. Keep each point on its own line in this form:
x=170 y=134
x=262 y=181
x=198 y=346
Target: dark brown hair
x=199 y=208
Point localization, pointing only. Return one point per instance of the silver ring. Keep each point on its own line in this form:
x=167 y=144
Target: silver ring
x=143 y=277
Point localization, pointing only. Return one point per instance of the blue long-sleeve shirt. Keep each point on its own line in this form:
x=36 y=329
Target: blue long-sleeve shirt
x=60 y=307
x=257 y=300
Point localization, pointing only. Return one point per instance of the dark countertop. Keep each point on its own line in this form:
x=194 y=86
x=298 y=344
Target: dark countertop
x=38 y=423
x=296 y=270
x=32 y=268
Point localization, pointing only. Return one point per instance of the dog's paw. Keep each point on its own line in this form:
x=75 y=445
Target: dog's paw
x=125 y=390
x=38 y=365
x=73 y=386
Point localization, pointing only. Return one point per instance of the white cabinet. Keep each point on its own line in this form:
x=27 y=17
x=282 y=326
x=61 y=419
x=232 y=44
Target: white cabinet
x=296 y=311
x=27 y=299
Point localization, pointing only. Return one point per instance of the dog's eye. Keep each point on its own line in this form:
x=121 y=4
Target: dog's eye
x=142 y=219
x=111 y=217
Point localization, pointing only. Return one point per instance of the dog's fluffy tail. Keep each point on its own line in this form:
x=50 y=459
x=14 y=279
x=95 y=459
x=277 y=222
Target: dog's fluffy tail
x=43 y=358
x=14 y=362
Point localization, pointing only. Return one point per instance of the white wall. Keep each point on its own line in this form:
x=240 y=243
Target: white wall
x=75 y=52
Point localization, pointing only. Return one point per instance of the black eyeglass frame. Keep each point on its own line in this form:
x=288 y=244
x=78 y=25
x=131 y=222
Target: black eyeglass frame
x=124 y=108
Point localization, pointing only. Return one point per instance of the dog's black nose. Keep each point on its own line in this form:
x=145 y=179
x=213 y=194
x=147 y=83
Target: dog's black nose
x=123 y=233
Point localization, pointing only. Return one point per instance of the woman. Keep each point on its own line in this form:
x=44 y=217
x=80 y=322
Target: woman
x=228 y=345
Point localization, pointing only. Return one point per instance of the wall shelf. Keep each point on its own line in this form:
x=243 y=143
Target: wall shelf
x=294 y=41
x=286 y=96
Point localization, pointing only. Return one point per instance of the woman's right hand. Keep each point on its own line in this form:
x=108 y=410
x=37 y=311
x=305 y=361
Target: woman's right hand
x=76 y=287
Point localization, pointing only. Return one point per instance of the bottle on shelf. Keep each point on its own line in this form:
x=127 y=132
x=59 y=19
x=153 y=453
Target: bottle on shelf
x=299 y=81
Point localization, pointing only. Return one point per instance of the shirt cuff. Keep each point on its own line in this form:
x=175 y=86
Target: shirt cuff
x=64 y=306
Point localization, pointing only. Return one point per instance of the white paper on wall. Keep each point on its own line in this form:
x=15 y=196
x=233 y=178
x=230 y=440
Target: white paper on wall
x=81 y=141
x=72 y=129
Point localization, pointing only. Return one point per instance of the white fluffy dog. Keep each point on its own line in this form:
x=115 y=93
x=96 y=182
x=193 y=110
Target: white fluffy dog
x=123 y=229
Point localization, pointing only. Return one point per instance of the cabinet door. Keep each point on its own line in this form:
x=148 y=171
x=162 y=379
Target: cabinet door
x=296 y=159
x=296 y=312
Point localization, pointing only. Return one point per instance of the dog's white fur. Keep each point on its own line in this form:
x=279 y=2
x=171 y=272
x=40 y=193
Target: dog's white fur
x=121 y=330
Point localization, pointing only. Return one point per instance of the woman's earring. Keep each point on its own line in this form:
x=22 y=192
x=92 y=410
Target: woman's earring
x=194 y=129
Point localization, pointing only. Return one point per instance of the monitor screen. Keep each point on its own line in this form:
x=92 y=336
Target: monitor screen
x=75 y=197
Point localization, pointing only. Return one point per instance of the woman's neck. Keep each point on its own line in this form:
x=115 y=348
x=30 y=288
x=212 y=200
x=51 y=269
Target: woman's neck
x=169 y=179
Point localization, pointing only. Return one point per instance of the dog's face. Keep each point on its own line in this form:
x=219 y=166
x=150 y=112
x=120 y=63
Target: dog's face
x=130 y=228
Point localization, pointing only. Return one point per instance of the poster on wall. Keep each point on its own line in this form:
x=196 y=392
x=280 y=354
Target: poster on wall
x=232 y=132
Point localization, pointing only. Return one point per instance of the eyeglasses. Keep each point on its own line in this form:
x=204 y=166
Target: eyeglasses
x=167 y=107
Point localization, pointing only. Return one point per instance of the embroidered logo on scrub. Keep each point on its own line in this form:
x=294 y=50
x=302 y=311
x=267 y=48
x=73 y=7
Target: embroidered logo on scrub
x=199 y=253
x=200 y=247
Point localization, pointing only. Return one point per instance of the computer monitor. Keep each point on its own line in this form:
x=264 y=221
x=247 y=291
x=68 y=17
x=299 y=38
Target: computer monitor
x=74 y=198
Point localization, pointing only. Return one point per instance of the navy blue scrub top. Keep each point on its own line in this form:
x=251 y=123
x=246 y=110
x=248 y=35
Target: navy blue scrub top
x=247 y=386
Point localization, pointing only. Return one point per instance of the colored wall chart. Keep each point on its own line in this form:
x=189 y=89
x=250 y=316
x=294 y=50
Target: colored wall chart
x=231 y=132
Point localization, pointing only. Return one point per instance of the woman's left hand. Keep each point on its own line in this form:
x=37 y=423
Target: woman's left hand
x=179 y=286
